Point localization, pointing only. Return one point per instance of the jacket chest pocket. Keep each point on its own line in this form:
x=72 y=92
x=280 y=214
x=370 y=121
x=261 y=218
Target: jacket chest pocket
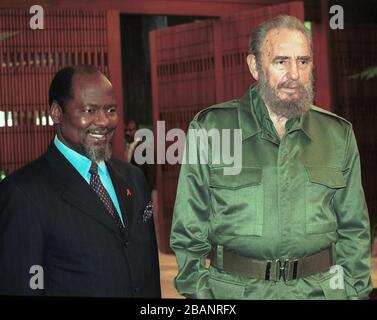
x=321 y=186
x=237 y=202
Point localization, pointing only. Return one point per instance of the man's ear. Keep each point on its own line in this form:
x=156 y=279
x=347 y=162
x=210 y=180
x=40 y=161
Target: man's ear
x=56 y=113
x=252 y=63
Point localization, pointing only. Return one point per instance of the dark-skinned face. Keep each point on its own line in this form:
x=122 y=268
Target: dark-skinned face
x=89 y=119
x=130 y=131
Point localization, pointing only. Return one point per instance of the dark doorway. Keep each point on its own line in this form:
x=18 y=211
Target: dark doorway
x=353 y=52
x=137 y=90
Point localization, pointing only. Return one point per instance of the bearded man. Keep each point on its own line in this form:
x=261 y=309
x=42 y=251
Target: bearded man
x=76 y=222
x=293 y=224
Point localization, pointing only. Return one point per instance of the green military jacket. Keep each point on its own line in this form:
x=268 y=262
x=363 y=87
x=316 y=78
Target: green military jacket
x=293 y=197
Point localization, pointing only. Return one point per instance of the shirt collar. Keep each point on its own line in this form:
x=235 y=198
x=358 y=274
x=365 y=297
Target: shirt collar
x=79 y=161
x=246 y=116
x=302 y=123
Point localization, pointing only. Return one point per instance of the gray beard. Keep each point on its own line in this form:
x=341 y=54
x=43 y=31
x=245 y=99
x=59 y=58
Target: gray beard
x=98 y=155
x=285 y=108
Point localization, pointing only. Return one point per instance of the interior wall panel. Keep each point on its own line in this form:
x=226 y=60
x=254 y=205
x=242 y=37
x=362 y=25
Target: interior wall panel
x=28 y=61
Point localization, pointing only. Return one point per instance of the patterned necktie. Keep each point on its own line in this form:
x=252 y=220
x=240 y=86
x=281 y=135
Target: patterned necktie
x=97 y=186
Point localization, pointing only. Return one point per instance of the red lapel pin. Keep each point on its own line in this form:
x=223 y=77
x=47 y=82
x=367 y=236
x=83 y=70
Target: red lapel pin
x=128 y=192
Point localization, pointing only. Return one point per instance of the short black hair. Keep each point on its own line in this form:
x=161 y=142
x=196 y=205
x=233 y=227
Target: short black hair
x=132 y=121
x=61 y=85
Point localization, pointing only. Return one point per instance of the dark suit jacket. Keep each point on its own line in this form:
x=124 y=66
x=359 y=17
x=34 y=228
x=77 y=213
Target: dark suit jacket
x=50 y=217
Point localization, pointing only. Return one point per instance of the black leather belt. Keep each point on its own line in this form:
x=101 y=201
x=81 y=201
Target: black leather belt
x=274 y=270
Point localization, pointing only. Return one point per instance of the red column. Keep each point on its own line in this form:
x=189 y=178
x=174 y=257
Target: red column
x=322 y=59
x=115 y=71
x=218 y=58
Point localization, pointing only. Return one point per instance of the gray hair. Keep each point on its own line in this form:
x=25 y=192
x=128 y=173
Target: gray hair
x=258 y=36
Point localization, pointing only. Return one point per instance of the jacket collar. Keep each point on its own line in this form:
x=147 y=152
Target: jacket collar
x=73 y=189
x=246 y=116
x=249 y=122
x=306 y=124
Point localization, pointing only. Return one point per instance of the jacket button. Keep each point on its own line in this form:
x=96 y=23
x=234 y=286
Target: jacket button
x=125 y=243
x=136 y=290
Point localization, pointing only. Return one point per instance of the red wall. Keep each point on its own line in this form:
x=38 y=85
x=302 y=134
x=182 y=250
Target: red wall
x=30 y=58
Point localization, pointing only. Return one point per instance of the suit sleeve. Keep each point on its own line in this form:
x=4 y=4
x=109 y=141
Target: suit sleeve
x=353 y=247
x=189 y=235
x=21 y=243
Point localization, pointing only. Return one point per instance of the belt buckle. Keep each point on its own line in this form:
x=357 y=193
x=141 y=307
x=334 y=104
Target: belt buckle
x=275 y=270
x=286 y=270
x=282 y=269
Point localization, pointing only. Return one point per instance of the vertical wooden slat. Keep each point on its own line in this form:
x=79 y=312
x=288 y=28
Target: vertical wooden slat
x=161 y=226
x=218 y=60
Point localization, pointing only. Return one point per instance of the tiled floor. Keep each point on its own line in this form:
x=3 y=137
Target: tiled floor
x=168 y=271
x=374 y=272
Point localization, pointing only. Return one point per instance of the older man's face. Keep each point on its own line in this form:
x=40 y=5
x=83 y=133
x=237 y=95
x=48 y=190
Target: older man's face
x=285 y=71
x=89 y=119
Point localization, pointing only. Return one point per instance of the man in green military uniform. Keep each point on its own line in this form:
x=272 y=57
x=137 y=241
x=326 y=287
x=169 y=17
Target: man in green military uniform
x=293 y=224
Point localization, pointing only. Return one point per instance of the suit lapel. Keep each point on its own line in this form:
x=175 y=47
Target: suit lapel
x=74 y=190
x=124 y=191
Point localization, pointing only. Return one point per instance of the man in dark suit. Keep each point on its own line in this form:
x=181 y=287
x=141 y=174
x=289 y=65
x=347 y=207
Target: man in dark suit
x=75 y=222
